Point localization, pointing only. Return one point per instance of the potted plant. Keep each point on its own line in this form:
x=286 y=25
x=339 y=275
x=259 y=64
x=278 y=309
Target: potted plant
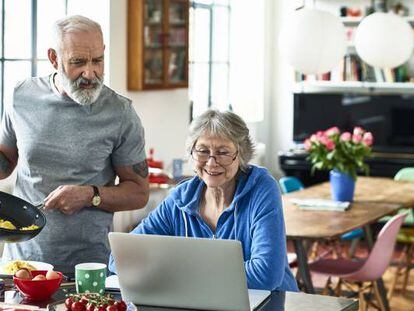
x=341 y=153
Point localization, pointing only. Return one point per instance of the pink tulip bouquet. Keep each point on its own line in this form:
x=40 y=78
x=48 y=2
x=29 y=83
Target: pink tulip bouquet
x=344 y=152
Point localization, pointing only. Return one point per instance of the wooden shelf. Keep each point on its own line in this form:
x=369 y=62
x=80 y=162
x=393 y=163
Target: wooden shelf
x=350 y=21
x=354 y=87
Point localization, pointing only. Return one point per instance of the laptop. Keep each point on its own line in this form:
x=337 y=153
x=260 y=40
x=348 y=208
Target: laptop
x=192 y=273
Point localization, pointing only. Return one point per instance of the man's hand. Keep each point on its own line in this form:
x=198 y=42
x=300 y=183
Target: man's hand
x=69 y=199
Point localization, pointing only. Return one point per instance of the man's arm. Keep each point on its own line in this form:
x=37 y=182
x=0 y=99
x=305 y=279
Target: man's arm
x=131 y=193
x=8 y=160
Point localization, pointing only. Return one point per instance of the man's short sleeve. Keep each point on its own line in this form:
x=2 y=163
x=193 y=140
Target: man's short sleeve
x=7 y=134
x=130 y=147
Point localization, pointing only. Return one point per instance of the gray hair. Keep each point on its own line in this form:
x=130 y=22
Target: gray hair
x=227 y=125
x=74 y=23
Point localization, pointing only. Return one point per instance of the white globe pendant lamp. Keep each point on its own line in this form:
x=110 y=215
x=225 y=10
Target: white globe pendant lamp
x=384 y=40
x=313 y=41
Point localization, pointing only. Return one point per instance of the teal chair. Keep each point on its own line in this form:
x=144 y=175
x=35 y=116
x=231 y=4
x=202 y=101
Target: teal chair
x=404 y=237
x=290 y=184
x=404 y=174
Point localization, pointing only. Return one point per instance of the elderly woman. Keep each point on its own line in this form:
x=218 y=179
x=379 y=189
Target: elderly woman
x=228 y=199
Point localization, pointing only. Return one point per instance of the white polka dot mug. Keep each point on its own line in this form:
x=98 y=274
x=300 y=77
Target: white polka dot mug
x=90 y=277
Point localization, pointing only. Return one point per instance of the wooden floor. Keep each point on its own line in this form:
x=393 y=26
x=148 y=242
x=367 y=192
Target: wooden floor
x=399 y=301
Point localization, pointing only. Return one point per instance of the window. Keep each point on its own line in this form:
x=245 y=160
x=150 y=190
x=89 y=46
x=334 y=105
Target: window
x=209 y=55
x=226 y=59
x=24 y=37
x=23 y=41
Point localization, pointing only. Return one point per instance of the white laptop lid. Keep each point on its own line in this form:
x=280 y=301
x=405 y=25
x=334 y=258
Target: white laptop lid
x=180 y=272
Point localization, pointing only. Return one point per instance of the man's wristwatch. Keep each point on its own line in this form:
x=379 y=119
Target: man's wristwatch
x=96 y=199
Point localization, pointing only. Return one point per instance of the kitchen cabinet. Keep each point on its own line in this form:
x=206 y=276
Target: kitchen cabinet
x=157 y=44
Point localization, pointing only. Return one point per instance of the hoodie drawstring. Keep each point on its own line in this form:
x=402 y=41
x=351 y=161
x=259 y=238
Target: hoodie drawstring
x=235 y=222
x=185 y=224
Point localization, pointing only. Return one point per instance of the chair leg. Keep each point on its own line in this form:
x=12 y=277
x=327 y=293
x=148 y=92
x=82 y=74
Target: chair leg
x=352 y=248
x=378 y=296
x=314 y=251
x=338 y=288
x=394 y=282
x=326 y=289
x=362 y=303
x=408 y=267
x=401 y=269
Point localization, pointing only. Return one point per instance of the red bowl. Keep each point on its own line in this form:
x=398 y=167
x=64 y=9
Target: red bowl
x=38 y=290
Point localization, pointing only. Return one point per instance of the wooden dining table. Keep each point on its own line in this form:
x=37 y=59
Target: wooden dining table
x=375 y=197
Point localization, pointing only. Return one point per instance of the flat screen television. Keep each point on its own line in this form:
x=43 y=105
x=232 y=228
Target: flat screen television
x=390 y=118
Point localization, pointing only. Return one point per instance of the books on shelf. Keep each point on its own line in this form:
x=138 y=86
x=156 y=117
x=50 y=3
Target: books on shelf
x=352 y=68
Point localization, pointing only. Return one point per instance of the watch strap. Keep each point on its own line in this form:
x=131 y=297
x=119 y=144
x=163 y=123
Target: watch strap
x=96 y=199
x=95 y=191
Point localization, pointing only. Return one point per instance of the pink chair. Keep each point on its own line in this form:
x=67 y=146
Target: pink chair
x=369 y=270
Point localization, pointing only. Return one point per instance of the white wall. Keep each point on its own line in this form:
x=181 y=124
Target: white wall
x=164 y=114
x=276 y=129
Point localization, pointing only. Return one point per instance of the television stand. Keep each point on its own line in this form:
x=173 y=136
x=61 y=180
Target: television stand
x=294 y=163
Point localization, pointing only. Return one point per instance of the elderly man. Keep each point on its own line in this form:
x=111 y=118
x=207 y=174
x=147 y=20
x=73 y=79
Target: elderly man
x=70 y=136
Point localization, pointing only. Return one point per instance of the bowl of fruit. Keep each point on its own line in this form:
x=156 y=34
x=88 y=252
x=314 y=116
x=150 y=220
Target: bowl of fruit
x=37 y=284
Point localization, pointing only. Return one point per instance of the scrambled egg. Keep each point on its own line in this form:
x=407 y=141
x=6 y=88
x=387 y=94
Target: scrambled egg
x=5 y=224
x=31 y=227
x=13 y=266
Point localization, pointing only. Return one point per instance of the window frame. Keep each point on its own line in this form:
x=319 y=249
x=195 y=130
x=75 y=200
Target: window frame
x=33 y=59
x=211 y=8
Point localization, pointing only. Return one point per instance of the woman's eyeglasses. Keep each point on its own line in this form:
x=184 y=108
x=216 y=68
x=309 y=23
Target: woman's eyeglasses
x=221 y=158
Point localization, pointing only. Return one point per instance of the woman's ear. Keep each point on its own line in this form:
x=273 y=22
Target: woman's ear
x=52 y=55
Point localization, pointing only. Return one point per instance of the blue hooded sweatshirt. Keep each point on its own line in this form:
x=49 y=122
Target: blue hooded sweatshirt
x=255 y=217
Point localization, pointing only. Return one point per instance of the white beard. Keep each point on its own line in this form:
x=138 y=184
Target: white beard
x=83 y=97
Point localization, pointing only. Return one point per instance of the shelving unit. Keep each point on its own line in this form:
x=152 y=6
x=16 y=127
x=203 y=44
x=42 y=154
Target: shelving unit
x=353 y=75
x=157 y=44
x=357 y=87
x=354 y=21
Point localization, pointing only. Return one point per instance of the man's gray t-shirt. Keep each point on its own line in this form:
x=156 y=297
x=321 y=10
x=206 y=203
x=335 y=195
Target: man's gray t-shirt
x=63 y=143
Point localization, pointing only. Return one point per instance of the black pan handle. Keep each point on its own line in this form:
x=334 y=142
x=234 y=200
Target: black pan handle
x=40 y=206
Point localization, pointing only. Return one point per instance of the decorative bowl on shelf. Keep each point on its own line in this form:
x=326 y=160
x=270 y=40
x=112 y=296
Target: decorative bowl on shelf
x=38 y=290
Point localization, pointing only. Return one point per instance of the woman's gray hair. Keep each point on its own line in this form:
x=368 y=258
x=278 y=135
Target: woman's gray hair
x=227 y=125
x=74 y=23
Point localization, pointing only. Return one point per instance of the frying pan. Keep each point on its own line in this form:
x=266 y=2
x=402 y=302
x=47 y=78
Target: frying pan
x=21 y=214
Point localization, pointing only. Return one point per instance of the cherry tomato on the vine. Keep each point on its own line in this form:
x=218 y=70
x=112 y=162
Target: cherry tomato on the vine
x=68 y=303
x=78 y=306
x=111 y=308
x=120 y=305
x=101 y=308
x=90 y=307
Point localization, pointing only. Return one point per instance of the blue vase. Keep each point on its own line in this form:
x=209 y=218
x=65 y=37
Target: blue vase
x=342 y=186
